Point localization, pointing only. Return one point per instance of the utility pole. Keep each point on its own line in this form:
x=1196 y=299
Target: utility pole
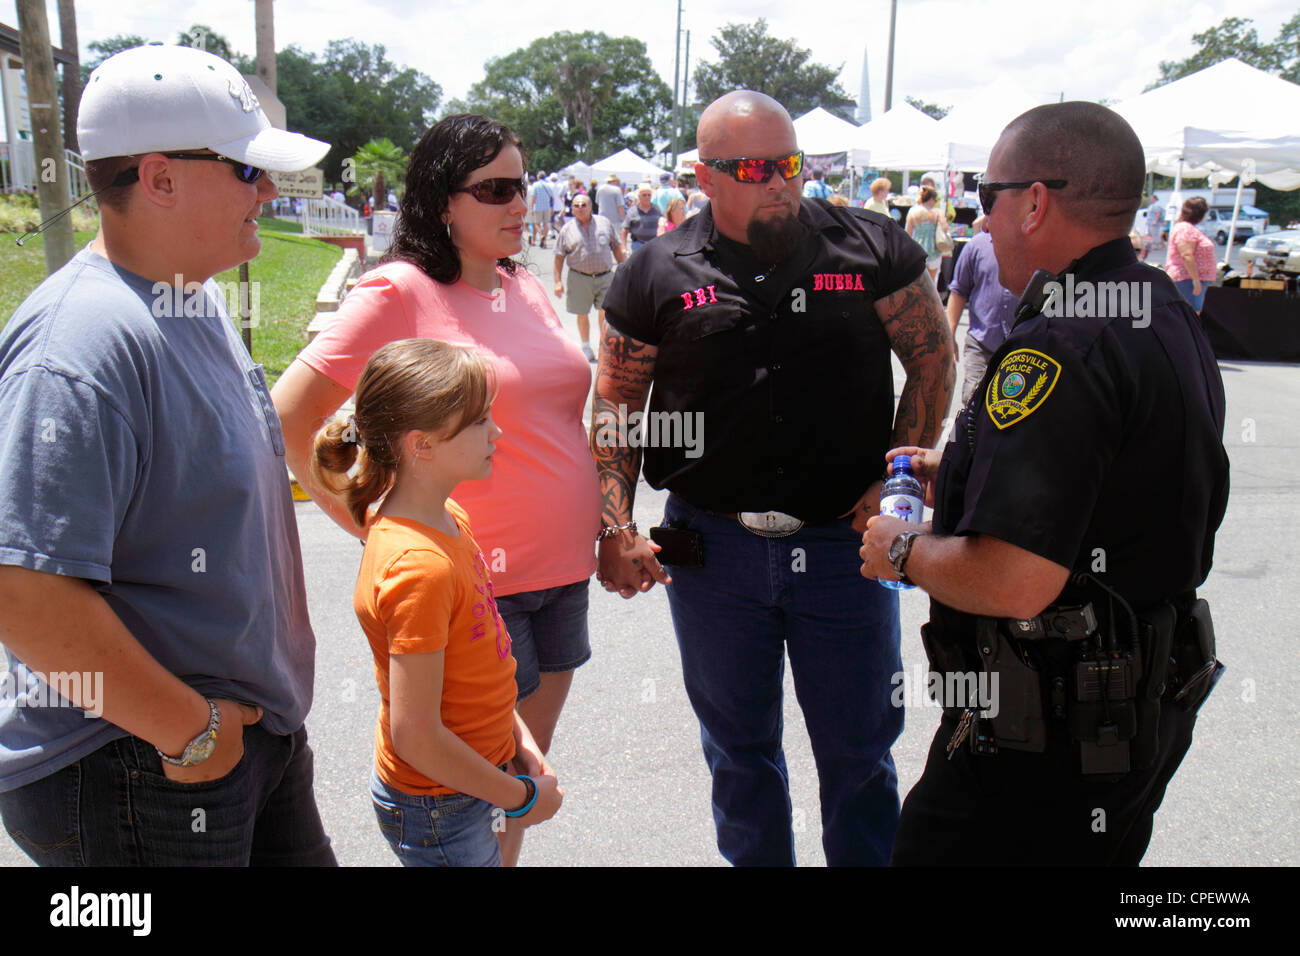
x=889 y=67
x=677 y=67
x=686 y=85
x=265 y=26
x=47 y=132
x=71 y=72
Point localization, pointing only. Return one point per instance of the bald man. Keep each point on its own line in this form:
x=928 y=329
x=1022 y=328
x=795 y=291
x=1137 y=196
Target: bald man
x=1061 y=565
x=766 y=324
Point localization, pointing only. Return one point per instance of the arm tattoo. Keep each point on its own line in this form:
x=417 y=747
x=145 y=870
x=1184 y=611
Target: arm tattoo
x=622 y=381
x=918 y=332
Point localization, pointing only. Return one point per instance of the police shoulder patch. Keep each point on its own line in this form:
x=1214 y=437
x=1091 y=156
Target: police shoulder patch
x=1020 y=385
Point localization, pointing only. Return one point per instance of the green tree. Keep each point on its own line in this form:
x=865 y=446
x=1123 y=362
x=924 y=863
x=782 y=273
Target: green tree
x=205 y=38
x=750 y=59
x=378 y=166
x=933 y=110
x=1234 y=37
x=351 y=95
x=572 y=95
x=1287 y=48
x=101 y=50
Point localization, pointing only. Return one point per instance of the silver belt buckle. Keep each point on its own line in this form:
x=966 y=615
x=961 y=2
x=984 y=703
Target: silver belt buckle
x=769 y=524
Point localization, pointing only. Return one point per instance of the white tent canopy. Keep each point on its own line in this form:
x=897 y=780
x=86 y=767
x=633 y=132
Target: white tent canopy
x=1275 y=159
x=1230 y=99
x=628 y=167
x=971 y=131
x=906 y=138
x=820 y=133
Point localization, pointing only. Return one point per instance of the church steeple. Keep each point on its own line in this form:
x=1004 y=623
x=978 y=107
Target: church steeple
x=863 y=115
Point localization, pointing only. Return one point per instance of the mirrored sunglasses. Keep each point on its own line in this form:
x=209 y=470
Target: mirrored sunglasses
x=758 y=170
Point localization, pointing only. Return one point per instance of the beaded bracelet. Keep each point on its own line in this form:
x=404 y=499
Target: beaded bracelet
x=612 y=529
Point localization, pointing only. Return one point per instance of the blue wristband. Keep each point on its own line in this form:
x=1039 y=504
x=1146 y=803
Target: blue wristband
x=528 y=804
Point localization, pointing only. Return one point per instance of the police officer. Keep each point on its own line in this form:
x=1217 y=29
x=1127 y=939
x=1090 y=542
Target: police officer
x=769 y=322
x=1075 y=511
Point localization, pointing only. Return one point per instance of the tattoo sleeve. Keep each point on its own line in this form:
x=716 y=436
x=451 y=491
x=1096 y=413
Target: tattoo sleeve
x=622 y=380
x=918 y=332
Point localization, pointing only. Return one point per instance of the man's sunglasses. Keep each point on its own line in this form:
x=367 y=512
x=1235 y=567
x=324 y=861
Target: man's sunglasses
x=496 y=192
x=989 y=191
x=758 y=170
x=245 y=172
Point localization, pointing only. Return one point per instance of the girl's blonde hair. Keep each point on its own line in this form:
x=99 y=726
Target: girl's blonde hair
x=408 y=385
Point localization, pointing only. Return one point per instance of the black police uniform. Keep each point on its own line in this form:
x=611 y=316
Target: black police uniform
x=1095 y=442
x=789 y=366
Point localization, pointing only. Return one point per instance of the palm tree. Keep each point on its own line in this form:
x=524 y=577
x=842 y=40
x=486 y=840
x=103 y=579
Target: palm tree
x=378 y=165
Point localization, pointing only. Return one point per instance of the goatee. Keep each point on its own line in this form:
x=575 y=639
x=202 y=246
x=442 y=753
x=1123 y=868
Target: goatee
x=774 y=239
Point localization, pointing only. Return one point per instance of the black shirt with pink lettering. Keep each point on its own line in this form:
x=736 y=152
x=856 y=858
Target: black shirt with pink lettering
x=787 y=366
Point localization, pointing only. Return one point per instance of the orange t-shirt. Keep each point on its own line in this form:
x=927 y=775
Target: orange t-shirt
x=420 y=591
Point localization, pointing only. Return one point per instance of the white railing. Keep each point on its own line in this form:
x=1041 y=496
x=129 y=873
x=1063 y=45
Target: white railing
x=329 y=217
x=18 y=169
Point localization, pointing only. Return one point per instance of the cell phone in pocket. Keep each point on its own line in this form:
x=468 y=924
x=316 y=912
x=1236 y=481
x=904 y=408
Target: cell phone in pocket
x=682 y=548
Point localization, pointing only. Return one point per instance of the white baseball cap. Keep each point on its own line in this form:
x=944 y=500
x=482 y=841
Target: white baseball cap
x=169 y=98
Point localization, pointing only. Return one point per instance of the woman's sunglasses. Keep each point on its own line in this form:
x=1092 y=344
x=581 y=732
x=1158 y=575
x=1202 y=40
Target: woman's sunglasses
x=758 y=170
x=496 y=192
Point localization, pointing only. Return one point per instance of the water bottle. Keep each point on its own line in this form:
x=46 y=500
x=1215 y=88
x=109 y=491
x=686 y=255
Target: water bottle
x=902 y=497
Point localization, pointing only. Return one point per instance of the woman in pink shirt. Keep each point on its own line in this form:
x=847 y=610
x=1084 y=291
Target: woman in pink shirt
x=449 y=276
x=1190 y=261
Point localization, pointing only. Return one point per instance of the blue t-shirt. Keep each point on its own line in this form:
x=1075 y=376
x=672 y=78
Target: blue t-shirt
x=817 y=189
x=140 y=451
x=992 y=307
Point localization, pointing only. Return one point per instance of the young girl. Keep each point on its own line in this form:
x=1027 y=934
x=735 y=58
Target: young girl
x=447 y=724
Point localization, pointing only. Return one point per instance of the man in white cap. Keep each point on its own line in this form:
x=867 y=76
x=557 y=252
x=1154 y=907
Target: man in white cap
x=152 y=606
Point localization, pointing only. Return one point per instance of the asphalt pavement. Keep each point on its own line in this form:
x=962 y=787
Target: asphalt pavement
x=627 y=749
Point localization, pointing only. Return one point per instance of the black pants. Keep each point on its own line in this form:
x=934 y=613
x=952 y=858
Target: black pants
x=1034 y=808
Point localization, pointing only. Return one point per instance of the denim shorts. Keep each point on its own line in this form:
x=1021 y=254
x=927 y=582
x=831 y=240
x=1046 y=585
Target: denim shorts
x=548 y=632
x=452 y=829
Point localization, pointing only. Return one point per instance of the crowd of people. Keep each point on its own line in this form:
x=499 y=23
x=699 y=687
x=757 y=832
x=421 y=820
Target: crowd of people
x=147 y=532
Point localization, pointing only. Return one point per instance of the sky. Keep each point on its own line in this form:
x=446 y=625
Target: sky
x=949 y=52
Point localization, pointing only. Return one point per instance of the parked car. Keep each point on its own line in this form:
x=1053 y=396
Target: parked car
x=1274 y=252
x=1218 y=221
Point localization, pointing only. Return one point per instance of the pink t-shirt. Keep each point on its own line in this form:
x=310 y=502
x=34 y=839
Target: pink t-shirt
x=1203 y=256
x=537 y=515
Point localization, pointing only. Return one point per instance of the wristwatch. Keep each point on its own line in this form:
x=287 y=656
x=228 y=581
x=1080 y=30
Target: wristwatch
x=201 y=747
x=899 y=551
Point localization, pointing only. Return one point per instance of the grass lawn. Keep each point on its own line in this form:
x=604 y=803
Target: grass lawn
x=286 y=276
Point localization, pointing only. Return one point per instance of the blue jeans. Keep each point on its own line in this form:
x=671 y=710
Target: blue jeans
x=1185 y=287
x=114 y=807
x=754 y=599
x=452 y=829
